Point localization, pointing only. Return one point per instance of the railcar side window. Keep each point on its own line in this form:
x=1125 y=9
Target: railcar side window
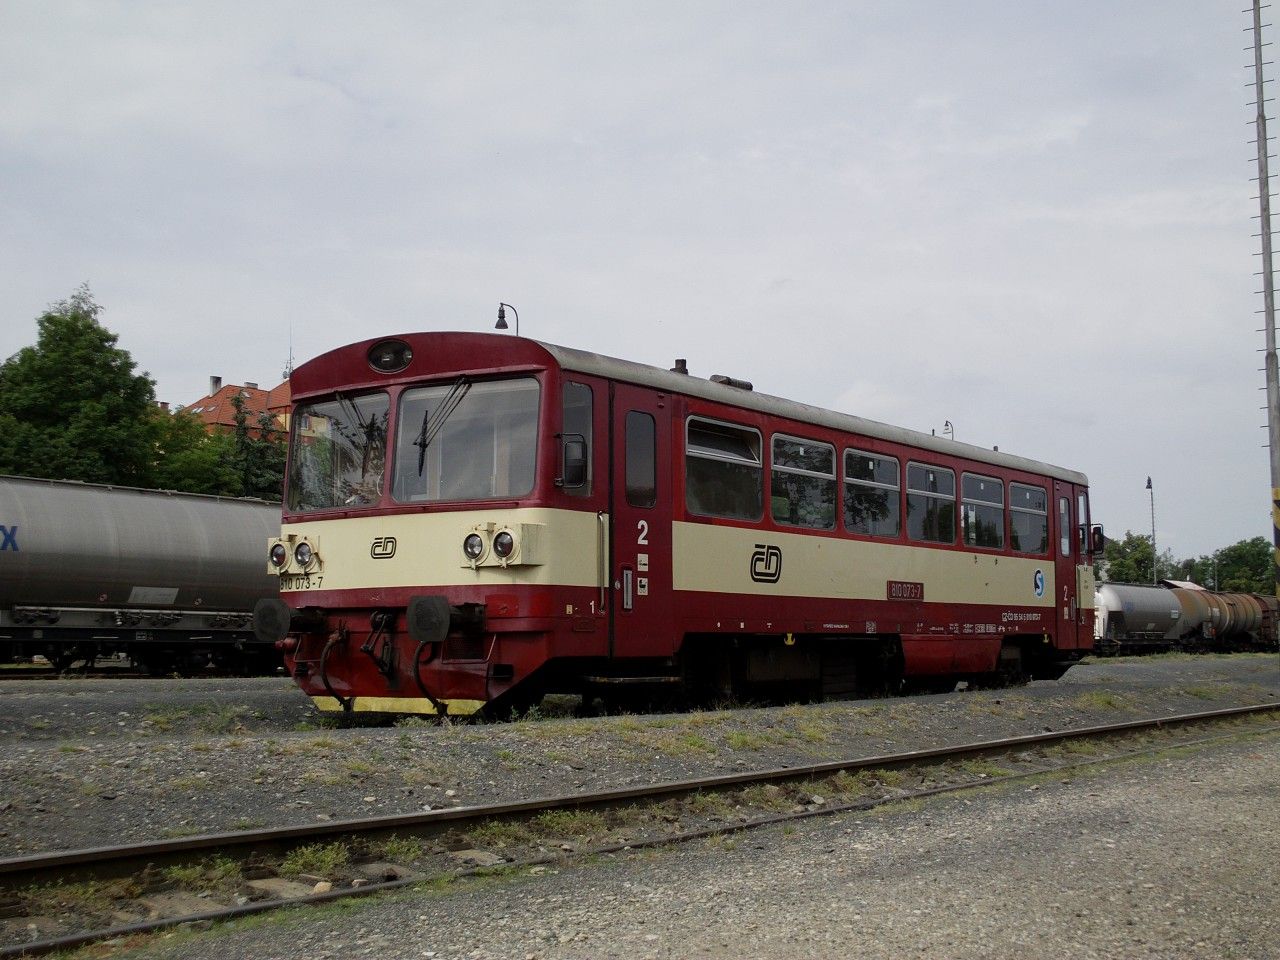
x=871 y=484
x=803 y=483
x=724 y=472
x=641 y=469
x=1082 y=522
x=339 y=453
x=982 y=511
x=577 y=420
x=1028 y=518
x=931 y=503
x=1064 y=525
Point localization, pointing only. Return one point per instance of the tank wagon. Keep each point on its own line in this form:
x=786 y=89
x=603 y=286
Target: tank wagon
x=472 y=520
x=167 y=579
x=1181 y=615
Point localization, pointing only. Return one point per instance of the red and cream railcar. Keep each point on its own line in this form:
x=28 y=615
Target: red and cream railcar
x=472 y=520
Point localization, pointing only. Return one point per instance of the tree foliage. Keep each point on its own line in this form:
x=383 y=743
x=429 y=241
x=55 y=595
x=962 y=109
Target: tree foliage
x=192 y=460
x=259 y=454
x=1243 y=567
x=72 y=406
x=1128 y=560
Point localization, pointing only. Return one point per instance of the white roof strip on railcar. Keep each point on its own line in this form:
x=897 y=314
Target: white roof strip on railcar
x=680 y=383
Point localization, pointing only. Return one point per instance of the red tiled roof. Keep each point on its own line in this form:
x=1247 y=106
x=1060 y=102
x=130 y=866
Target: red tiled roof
x=216 y=410
x=278 y=398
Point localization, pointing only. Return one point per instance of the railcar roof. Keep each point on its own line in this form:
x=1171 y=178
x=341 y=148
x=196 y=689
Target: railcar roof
x=611 y=368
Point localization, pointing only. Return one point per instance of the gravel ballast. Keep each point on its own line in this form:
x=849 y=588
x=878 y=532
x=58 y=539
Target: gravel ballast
x=1167 y=856
x=90 y=762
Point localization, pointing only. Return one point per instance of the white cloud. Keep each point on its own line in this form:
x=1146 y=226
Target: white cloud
x=1032 y=221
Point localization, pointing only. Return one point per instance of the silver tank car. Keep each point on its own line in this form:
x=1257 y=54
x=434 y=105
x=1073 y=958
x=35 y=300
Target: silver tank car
x=169 y=579
x=1135 y=615
x=1179 y=614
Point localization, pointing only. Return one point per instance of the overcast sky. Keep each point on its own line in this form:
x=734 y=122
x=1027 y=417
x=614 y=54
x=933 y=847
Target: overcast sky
x=1029 y=219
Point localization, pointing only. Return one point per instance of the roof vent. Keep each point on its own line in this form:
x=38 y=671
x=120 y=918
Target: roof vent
x=730 y=381
x=681 y=366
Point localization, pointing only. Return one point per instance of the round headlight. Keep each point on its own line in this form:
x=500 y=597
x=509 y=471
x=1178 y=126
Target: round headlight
x=279 y=555
x=503 y=544
x=473 y=546
x=303 y=554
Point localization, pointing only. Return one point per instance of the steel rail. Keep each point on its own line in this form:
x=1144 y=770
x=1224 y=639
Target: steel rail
x=16 y=867
x=27 y=869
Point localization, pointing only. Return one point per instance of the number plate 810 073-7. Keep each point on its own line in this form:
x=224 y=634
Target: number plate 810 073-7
x=903 y=590
x=300 y=581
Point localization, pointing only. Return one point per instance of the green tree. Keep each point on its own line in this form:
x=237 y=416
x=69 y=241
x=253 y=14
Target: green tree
x=190 y=459
x=1128 y=560
x=72 y=406
x=259 y=454
x=1244 y=567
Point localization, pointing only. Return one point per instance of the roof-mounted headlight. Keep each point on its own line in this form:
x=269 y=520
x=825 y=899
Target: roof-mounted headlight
x=390 y=356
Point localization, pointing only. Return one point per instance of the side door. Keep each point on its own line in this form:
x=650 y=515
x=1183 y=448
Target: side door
x=641 y=617
x=1066 y=552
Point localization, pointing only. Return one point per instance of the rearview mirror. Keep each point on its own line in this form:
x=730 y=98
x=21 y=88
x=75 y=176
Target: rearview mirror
x=575 y=461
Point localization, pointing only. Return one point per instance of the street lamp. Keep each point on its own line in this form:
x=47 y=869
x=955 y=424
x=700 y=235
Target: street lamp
x=502 y=317
x=1151 y=491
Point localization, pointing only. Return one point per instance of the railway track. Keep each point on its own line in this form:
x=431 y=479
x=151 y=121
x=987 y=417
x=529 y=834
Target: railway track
x=67 y=899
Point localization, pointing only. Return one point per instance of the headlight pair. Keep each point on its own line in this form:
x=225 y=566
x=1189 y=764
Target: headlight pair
x=304 y=555
x=503 y=545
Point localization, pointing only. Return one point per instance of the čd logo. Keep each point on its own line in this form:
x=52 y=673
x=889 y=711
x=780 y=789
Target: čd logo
x=766 y=563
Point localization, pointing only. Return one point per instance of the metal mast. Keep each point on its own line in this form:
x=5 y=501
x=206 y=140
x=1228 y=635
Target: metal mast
x=1268 y=287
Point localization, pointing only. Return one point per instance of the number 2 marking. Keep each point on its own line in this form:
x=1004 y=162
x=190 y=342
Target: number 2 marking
x=643 y=539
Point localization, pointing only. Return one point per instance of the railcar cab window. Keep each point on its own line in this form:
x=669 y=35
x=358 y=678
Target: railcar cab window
x=871 y=485
x=982 y=511
x=576 y=426
x=931 y=503
x=1028 y=519
x=803 y=483
x=339 y=452
x=724 y=472
x=466 y=441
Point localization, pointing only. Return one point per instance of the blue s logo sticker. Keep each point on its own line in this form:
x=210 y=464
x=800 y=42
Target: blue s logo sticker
x=1038 y=583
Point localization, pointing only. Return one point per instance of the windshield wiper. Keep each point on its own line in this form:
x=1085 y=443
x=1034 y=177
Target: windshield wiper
x=432 y=425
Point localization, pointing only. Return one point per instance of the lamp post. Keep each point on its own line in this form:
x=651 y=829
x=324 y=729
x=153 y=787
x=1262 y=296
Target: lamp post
x=1151 y=491
x=502 y=317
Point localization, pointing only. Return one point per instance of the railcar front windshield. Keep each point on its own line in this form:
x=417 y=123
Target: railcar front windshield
x=466 y=441
x=339 y=452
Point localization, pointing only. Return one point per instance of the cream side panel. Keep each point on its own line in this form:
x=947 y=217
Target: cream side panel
x=718 y=559
x=429 y=549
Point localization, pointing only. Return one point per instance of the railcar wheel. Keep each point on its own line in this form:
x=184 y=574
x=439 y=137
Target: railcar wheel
x=61 y=662
x=1010 y=671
